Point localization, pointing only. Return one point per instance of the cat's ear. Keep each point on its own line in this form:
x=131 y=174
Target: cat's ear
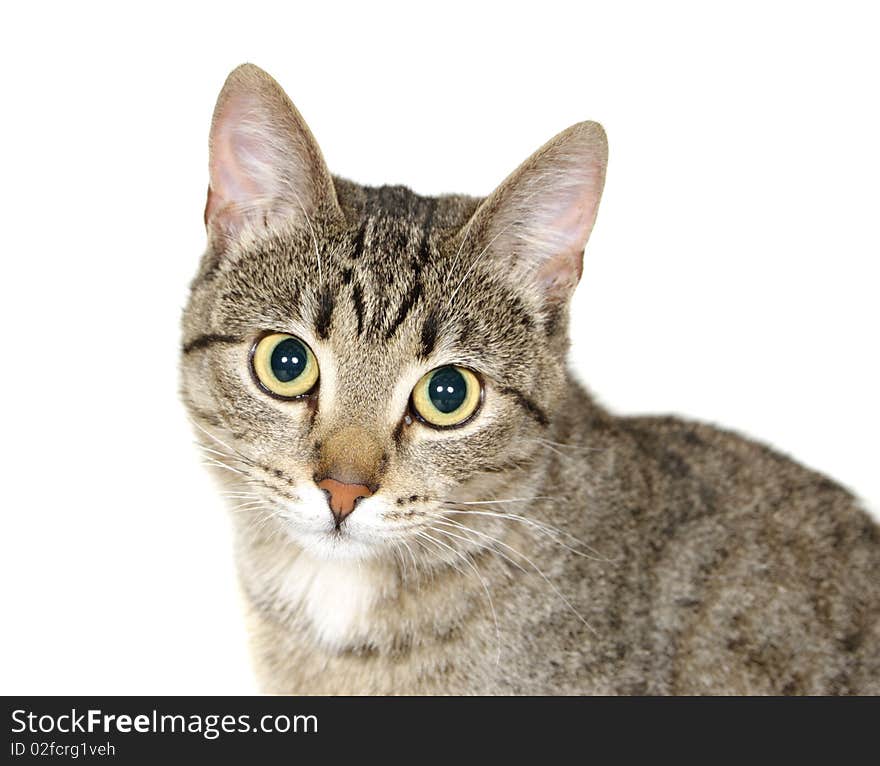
x=264 y=162
x=538 y=221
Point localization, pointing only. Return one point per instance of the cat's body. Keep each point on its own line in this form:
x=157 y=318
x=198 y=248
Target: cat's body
x=542 y=546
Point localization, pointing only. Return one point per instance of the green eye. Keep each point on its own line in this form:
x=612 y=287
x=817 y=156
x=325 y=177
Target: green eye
x=284 y=366
x=447 y=396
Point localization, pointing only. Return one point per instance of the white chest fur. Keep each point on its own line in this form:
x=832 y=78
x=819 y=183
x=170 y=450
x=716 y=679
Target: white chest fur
x=337 y=598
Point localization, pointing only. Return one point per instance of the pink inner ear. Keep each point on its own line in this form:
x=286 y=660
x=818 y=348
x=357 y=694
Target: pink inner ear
x=561 y=270
x=542 y=215
x=560 y=274
x=236 y=177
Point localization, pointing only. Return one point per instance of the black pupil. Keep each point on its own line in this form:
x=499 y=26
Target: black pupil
x=288 y=360
x=447 y=389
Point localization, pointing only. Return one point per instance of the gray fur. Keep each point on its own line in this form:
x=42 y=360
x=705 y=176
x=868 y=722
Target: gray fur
x=595 y=554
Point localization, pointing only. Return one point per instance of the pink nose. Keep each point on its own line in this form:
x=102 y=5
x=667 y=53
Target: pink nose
x=343 y=497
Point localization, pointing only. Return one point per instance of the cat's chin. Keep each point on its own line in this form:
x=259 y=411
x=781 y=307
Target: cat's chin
x=327 y=543
x=337 y=545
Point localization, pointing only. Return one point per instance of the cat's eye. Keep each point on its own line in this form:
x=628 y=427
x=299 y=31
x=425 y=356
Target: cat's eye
x=284 y=366
x=447 y=396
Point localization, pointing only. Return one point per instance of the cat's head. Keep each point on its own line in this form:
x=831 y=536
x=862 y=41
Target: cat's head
x=358 y=361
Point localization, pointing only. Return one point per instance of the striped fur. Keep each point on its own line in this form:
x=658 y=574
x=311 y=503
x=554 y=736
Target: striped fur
x=544 y=547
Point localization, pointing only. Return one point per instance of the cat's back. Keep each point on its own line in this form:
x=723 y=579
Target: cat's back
x=764 y=575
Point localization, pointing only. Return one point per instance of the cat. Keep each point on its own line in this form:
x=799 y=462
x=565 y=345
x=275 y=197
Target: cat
x=425 y=500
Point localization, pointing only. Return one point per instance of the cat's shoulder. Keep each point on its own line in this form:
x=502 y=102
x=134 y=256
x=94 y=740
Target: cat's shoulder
x=746 y=481
x=683 y=445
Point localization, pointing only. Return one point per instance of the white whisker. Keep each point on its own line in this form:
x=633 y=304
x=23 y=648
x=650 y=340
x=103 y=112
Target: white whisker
x=220 y=464
x=541 y=573
x=549 y=529
x=485 y=587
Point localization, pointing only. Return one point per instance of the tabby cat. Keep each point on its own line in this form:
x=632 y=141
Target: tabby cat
x=425 y=500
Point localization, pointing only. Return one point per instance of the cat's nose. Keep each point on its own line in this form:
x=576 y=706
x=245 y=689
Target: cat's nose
x=343 y=497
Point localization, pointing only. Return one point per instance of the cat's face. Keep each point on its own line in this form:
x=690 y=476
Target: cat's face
x=361 y=361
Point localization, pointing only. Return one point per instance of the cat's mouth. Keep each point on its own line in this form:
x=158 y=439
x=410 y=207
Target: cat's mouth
x=325 y=534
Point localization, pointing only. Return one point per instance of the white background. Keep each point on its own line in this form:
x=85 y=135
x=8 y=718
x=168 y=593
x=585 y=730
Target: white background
x=732 y=275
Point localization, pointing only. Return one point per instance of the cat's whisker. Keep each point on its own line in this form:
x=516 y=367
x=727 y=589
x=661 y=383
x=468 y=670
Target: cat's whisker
x=394 y=548
x=255 y=516
x=398 y=555
x=548 y=528
x=534 y=566
x=229 y=461
x=554 y=450
x=247 y=501
x=421 y=534
x=429 y=555
x=564 y=446
x=255 y=503
x=208 y=452
x=481 y=546
x=278 y=532
x=412 y=556
x=220 y=464
x=502 y=500
x=250 y=505
x=483 y=583
x=222 y=443
x=258 y=525
x=558 y=449
x=213 y=451
x=398 y=548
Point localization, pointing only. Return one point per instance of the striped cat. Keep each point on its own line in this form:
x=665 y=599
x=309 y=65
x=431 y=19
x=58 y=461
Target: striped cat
x=424 y=499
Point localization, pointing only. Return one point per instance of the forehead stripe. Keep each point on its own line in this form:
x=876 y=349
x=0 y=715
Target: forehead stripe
x=406 y=303
x=325 y=313
x=429 y=335
x=357 y=297
x=208 y=339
